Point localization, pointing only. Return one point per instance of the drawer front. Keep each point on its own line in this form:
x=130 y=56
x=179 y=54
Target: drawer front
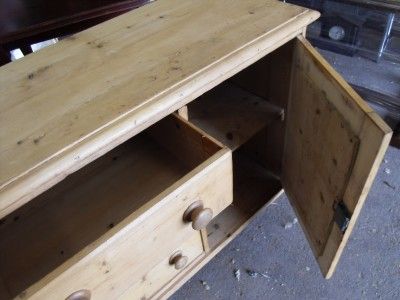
x=153 y=280
x=121 y=258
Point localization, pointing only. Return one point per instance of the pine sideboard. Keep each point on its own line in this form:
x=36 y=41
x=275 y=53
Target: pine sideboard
x=132 y=152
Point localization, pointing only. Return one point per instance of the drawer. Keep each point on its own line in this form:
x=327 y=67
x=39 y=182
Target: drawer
x=106 y=226
x=155 y=279
x=292 y=122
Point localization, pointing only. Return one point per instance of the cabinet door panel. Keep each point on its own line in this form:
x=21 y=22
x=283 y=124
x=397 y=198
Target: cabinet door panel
x=334 y=143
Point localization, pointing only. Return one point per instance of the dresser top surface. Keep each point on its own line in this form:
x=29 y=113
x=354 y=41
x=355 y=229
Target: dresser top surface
x=84 y=93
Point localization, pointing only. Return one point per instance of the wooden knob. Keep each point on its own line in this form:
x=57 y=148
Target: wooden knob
x=198 y=215
x=178 y=260
x=80 y=295
x=201 y=217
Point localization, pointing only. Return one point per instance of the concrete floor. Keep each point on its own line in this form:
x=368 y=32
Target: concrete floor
x=383 y=77
x=275 y=246
x=369 y=267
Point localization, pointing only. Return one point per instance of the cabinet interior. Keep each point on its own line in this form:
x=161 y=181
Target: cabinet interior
x=40 y=236
x=247 y=114
x=254 y=187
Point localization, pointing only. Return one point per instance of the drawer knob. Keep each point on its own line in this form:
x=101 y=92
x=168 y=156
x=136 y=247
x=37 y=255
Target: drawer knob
x=198 y=215
x=79 y=295
x=178 y=260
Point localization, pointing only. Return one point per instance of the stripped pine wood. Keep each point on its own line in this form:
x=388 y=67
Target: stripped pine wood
x=85 y=133
x=159 y=234
x=189 y=144
x=125 y=209
x=82 y=208
x=162 y=273
x=70 y=103
x=232 y=115
x=269 y=79
x=183 y=112
x=226 y=223
x=253 y=187
x=334 y=144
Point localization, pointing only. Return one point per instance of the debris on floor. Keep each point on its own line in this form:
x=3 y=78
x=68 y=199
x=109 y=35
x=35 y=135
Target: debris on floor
x=236 y=272
x=265 y=275
x=251 y=273
x=255 y=274
x=205 y=285
x=289 y=225
x=389 y=185
x=387 y=171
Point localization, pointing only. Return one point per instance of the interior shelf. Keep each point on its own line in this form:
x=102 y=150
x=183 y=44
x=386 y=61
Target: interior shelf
x=231 y=114
x=237 y=118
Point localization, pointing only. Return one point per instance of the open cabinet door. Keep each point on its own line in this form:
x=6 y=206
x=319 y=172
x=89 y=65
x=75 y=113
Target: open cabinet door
x=334 y=144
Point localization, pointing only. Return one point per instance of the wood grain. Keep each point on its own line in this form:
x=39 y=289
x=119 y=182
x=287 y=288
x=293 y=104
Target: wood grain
x=232 y=115
x=82 y=208
x=87 y=228
x=334 y=144
x=161 y=274
x=253 y=187
x=269 y=79
x=227 y=224
x=70 y=103
x=188 y=143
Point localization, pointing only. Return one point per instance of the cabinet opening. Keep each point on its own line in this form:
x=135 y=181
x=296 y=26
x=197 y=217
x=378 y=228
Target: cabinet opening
x=254 y=187
x=50 y=229
x=247 y=113
x=242 y=121
x=232 y=115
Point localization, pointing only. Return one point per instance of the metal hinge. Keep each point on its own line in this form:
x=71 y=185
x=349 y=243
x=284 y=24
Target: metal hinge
x=342 y=216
